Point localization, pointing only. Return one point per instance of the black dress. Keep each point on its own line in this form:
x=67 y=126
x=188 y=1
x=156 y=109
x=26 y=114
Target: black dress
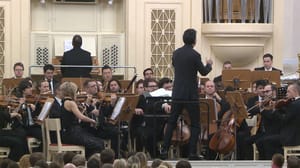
x=73 y=133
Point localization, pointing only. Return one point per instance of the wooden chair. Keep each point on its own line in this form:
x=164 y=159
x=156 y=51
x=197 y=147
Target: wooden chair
x=252 y=122
x=4 y=151
x=291 y=151
x=32 y=143
x=53 y=124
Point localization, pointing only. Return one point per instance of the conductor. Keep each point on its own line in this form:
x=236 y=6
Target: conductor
x=187 y=62
x=76 y=56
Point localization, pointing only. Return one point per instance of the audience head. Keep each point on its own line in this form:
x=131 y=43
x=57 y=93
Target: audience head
x=133 y=162
x=107 y=165
x=120 y=163
x=69 y=89
x=293 y=162
x=107 y=156
x=106 y=73
x=94 y=161
x=148 y=73
x=165 y=83
x=268 y=60
x=78 y=160
x=55 y=165
x=48 y=72
x=165 y=164
x=24 y=161
x=18 y=70
x=41 y=164
x=189 y=37
x=69 y=165
x=77 y=41
x=59 y=159
x=5 y=162
x=277 y=160
x=183 y=164
x=150 y=85
x=36 y=156
x=68 y=156
x=143 y=159
x=156 y=163
x=139 y=87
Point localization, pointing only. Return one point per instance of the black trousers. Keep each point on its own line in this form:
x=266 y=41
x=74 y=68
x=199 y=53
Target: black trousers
x=77 y=136
x=194 y=113
x=17 y=145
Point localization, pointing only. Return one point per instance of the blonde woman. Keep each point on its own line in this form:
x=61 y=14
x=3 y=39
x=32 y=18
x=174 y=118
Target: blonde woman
x=72 y=133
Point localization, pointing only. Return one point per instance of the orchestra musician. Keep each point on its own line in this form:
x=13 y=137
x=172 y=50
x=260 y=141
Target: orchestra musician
x=187 y=62
x=148 y=73
x=218 y=80
x=55 y=110
x=268 y=123
x=106 y=76
x=290 y=123
x=14 y=138
x=18 y=70
x=72 y=132
x=48 y=76
x=268 y=62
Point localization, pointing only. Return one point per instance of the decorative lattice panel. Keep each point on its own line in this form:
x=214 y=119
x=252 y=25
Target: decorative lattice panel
x=2 y=43
x=110 y=47
x=162 y=42
x=41 y=50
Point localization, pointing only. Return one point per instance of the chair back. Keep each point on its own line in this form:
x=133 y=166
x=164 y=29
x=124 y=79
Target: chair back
x=53 y=124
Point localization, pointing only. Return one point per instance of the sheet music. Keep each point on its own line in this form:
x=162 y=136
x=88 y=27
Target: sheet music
x=45 y=110
x=117 y=109
x=161 y=93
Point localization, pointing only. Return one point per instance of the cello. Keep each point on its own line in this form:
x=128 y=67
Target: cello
x=223 y=141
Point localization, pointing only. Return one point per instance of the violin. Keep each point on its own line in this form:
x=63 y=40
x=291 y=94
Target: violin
x=283 y=103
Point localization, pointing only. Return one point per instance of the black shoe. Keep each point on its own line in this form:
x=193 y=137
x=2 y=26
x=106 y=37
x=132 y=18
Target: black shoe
x=163 y=154
x=195 y=157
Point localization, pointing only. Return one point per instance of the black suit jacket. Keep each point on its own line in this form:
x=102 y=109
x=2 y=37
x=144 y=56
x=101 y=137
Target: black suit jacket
x=187 y=63
x=263 y=68
x=290 y=132
x=76 y=56
x=55 y=110
x=252 y=101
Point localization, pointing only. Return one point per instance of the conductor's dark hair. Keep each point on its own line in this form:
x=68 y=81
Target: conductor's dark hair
x=189 y=36
x=268 y=55
x=77 y=41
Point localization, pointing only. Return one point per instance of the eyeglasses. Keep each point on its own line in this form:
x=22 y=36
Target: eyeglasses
x=266 y=91
x=152 y=86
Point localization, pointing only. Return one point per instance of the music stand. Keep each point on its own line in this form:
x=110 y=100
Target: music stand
x=237 y=104
x=9 y=83
x=237 y=78
x=271 y=76
x=78 y=81
x=123 y=111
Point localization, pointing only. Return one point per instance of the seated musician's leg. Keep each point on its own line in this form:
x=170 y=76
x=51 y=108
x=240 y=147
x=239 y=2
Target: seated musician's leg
x=272 y=145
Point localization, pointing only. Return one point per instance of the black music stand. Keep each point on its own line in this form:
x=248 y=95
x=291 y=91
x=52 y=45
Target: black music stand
x=237 y=78
x=270 y=76
x=123 y=111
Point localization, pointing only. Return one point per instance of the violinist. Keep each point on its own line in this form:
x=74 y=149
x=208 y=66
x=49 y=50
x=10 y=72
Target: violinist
x=290 y=123
x=28 y=110
x=252 y=101
x=55 y=110
x=48 y=76
x=268 y=124
x=72 y=132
